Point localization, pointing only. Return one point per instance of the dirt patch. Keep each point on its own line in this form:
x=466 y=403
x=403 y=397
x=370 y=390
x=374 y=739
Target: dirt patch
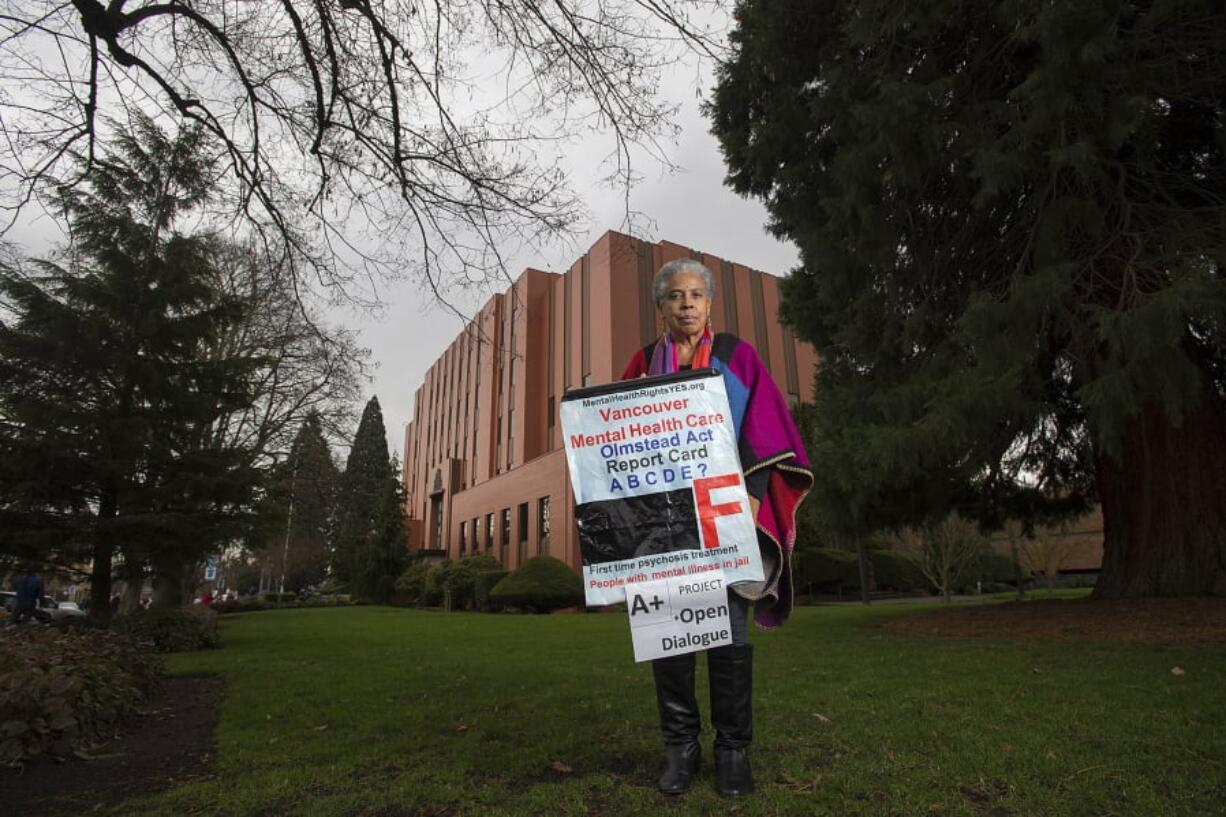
x=1167 y=621
x=170 y=743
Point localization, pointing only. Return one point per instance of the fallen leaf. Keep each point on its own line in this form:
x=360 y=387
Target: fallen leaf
x=1177 y=671
x=821 y=717
x=323 y=727
x=461 y=727
x=560 y=767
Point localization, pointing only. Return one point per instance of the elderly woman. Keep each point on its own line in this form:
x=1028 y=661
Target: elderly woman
x=777 y=476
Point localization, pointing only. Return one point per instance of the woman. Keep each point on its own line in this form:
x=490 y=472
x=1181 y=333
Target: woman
x=777 y=476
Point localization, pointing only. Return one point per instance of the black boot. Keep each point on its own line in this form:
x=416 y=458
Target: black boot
x=731 y=671
x=678 y=721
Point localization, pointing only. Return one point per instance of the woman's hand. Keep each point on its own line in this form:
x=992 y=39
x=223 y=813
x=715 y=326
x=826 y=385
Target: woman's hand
x=754 y=504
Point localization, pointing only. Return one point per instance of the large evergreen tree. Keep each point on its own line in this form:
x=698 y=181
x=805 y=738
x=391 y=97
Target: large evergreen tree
x=385 y=554
x=299 y=512
x=362 y=485
x=107 y=396
x=1012 y=224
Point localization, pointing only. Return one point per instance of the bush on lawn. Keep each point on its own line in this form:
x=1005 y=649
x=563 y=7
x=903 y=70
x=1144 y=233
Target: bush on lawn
x=245 y=604
x=411 y=585
x=192 y=628
x=63 y=688
x=542 y=584
x=461 y=575
x=992 y=568
x=896 y=570
x=827 y=569
x=280 y=598
x=483 y=583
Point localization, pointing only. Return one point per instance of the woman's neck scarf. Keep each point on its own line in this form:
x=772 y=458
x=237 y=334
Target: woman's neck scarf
x=664 y=357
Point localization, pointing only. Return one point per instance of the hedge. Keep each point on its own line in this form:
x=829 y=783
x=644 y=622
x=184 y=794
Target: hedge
x=482 y=585
x=542 y=584
x=192 y=628
x=827 y=568
x=896 y=570
x=411 y=585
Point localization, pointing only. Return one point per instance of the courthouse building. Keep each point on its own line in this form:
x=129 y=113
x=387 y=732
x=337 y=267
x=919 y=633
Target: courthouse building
x=484 y=465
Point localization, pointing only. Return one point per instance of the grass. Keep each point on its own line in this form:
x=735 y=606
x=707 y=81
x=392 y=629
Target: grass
x=380 y=711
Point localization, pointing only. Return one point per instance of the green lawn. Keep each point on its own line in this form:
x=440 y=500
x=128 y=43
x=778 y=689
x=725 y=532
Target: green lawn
x=381 y=711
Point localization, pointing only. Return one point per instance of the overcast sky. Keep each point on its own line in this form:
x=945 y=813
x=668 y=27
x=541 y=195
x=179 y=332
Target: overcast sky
x=691 y=207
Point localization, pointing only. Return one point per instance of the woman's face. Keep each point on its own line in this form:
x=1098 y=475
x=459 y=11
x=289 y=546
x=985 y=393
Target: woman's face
x=686 y=306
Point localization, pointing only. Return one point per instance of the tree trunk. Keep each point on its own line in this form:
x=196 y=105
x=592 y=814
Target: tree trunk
x=866 y=568
x=1164 y=505
x=1018 y=579
x=103 y=556
x=169 y=581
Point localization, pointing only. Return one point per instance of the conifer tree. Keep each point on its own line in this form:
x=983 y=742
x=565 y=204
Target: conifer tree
x=384 y=556
x=362 y=485
x=1012 y=223
x=106 y=394
x=299 y=522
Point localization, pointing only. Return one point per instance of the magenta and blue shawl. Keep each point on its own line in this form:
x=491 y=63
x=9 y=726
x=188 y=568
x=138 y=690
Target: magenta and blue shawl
x=772 y=457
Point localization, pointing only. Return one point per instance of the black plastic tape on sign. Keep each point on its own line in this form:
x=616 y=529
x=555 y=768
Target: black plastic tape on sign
x=615 y=529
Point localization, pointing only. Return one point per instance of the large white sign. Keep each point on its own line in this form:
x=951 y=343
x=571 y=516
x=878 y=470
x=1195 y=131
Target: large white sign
x=675 y=616
x=658 y=486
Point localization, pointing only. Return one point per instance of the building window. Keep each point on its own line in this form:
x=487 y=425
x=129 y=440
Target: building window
x=437 y=502
x=489 y=531
x=505 y=545
x=463 y=536
x=523 y=532
x=476 y=534
x=550 y=410
x=542 y=525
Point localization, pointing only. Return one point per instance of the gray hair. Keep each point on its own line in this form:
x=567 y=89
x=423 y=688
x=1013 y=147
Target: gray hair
x=659 y=285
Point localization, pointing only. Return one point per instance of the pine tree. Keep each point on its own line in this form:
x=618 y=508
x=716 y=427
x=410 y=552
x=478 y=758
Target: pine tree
x=1011 y=223
x=385 y=554
x=106 y=393
x=299 y=516
x=362 y=485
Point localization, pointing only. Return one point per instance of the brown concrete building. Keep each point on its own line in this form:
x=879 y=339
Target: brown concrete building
x=484 y=465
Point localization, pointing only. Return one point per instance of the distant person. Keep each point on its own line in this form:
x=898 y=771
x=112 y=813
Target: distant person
x=777 y=476
x=29 y=591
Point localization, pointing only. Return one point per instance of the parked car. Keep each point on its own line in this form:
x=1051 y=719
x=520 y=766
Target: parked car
x=8 y=600
x=61 y=609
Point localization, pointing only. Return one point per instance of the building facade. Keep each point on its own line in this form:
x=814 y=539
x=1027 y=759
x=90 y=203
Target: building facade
x=485 y=469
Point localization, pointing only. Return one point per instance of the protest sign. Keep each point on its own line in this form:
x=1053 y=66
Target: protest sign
x=658 y=486
x=678 y=615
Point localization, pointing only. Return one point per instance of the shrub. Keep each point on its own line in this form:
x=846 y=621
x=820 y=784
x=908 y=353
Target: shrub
x=436 y=577
x=997 y=587
x=897 y=570
x=280 y=598
x=191 y=628
x=412 y=582
x=541 y=584
x=461 y=579
x=827 y=568
x=64 y=688
x=245 y=604
x=483 y=583
x=996 y=567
